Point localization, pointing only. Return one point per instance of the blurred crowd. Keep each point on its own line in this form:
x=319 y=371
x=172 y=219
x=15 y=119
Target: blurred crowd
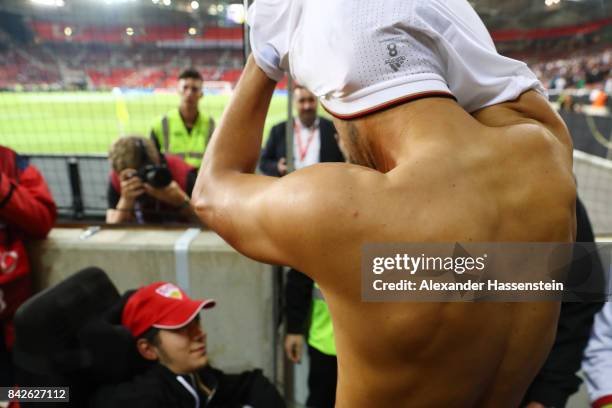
x=577 y=71
x=100 y=67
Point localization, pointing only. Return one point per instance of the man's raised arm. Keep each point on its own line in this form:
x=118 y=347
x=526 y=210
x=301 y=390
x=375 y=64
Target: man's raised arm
x=246 y=210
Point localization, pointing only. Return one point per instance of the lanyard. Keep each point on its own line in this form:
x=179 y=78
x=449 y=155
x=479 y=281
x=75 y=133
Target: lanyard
x=302 y=150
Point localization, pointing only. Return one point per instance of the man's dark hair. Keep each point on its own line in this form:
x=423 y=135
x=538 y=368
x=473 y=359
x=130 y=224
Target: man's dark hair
x=152 y=336
x=191 y=73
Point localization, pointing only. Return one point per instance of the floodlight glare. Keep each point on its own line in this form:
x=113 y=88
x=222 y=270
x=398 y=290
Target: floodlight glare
x=51 y=3
x=235 y=12
x=67 y=31
x=192 y=31
x=220 y=8
x=195 y=5
x=167 y=2
x=155 y=1
x=129 y=31
x=212 y=10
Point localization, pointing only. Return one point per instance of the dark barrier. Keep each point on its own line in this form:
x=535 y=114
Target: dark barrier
x=591 y=134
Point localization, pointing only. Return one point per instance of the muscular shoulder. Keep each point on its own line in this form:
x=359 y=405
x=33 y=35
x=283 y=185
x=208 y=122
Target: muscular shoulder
x=533 y=150
x=327 y=202
x=530 y=108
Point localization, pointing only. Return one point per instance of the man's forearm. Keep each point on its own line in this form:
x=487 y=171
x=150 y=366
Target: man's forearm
x=237 y=141
x=123 y=212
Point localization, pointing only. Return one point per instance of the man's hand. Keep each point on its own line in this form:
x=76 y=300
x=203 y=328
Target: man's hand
x=131 y=186
x=172 y=194
x=270 y=22
x=281 y=166
x=294 y=345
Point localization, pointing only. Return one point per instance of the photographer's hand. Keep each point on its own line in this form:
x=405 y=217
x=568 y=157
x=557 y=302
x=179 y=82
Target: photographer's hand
x=174 y=196
x=131 y=188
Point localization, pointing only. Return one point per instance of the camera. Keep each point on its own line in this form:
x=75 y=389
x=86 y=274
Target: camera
x=156 y=176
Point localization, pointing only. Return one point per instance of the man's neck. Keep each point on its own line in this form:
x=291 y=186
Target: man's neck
x=308 y=123
x=395 y=135
x=189 y=114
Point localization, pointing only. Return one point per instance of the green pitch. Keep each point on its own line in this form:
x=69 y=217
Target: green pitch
x=88 y=122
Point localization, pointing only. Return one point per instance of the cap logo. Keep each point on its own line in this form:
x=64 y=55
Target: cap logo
x=169 y=291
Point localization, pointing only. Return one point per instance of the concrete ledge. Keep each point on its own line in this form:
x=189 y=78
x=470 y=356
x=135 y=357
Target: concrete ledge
x=240 y=328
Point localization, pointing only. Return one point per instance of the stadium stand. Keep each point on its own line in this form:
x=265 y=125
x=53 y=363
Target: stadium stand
x=47 y=31
x=99 y=56
x=101 y=67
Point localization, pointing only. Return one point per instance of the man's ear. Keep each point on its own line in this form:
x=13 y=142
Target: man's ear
x=147 y=350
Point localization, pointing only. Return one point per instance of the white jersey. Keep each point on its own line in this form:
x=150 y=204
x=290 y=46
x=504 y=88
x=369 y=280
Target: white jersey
x=359 y=56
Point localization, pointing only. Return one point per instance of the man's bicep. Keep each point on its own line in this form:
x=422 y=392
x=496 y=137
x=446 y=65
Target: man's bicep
x=239 y=208
x=284 y=221
x=262 y=217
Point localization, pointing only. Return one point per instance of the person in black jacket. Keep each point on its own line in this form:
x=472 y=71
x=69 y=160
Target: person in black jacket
x=323 y=367
x=557 y=379
x=165 y=324
x=314 y=139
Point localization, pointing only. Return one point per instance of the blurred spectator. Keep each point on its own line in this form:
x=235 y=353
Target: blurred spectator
x=185 y=131
x=314 y=139
x=566 y=101
x=598 y=98
x=582 y=69
x=608 y=84
x=27 y=211
x=597 y=364
x=165 y=325
x=146 y=186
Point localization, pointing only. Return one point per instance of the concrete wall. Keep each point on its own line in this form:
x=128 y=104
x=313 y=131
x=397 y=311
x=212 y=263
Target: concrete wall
x=240 y=327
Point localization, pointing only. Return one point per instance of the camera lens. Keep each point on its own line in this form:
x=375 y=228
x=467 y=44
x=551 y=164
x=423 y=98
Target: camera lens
x=156 y=176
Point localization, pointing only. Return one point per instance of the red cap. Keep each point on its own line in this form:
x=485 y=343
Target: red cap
x=162 y=305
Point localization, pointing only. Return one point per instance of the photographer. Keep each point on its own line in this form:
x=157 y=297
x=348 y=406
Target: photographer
x=147 y=187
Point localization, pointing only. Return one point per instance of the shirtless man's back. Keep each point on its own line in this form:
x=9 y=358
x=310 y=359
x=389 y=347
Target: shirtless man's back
x=502 y=183
x=423 y=171
x=446 y=177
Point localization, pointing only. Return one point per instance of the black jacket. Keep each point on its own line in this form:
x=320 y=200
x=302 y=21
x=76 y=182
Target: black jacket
x=276 y=147
x=298 y=297
x=557 y=379
x=160 y=388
